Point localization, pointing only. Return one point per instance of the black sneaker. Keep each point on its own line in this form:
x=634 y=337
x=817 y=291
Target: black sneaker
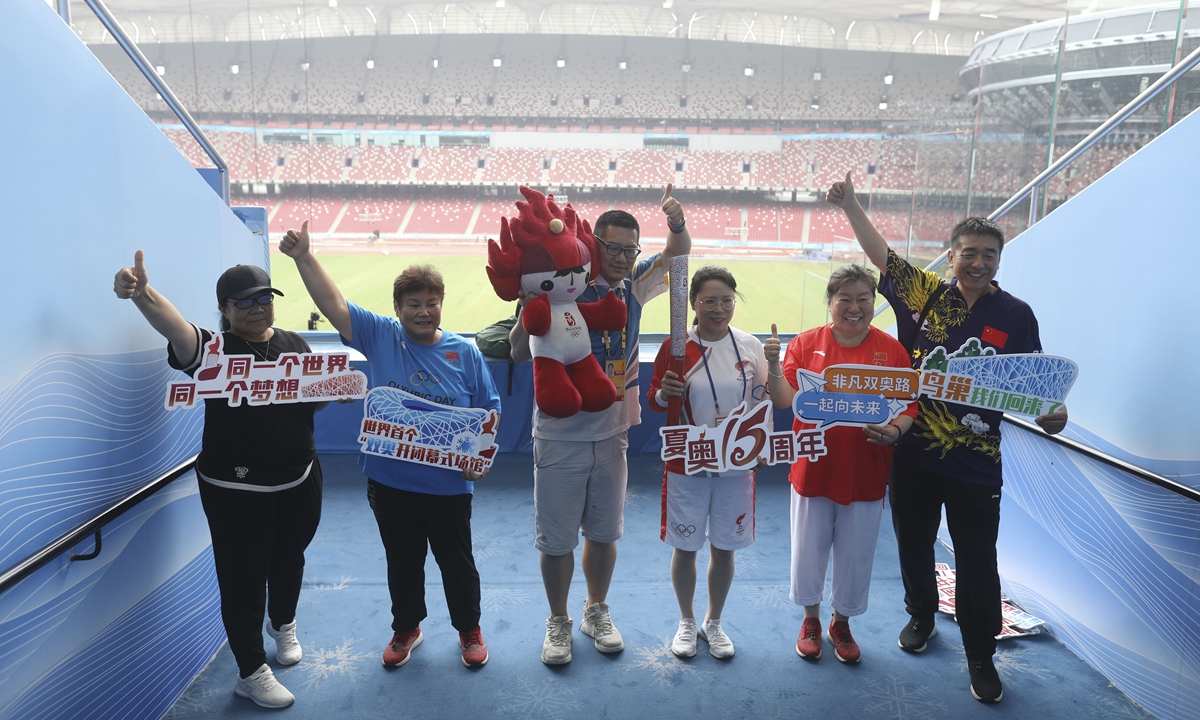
x=915 y=635
x=985 y=682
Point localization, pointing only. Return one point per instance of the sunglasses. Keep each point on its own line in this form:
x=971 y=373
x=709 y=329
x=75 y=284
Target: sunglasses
x=247 y=303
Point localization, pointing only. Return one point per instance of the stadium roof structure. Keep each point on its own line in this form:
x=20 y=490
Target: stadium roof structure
x=942 y=27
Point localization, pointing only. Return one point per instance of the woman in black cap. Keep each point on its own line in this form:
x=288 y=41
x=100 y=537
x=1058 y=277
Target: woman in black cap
x=259 y=477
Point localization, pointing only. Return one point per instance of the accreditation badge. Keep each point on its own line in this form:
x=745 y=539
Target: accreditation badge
x=615 y=369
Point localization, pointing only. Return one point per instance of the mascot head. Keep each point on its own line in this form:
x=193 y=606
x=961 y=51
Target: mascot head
x=545 y=249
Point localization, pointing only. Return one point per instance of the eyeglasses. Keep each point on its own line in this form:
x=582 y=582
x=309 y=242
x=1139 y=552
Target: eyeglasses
x=247 y=303
x=711 y=304
x=614 y=250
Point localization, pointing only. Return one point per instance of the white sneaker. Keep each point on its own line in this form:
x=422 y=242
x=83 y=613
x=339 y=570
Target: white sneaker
x=684 y=644
x=264 y=689
x=719 y=644
x=287 y=647
x=556 y=650
x=598 y=626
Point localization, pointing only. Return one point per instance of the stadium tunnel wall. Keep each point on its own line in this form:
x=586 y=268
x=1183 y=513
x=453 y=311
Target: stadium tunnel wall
x=82 y=381
x=1108 y=560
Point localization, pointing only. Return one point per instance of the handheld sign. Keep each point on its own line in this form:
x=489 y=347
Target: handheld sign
x=738 y=442
x=290 y=378
x=853 y=395
x=1025 y=384
x=403 y=426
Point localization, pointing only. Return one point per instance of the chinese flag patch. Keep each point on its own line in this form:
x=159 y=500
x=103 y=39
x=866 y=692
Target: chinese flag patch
x=451 y=356
x=880 y=358
x=994 y=336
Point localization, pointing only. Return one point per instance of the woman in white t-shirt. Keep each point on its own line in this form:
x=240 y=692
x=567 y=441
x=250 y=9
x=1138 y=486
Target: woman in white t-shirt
x=723 y=368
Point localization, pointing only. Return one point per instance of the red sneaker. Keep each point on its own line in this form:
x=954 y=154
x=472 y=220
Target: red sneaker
x=808 y=646
x=844 y=647
x=474 y=649
x=399 y=650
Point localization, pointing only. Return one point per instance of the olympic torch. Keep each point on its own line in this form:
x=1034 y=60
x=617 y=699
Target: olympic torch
x=677 y=270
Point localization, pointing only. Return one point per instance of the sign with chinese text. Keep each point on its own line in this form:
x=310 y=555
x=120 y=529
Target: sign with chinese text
x=290 y=378
x=1024 y=384
x=403 y=426
x=853 y=395
x=738 y=442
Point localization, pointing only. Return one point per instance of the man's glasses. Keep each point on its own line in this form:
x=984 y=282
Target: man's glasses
x=614 y=250
x=711 y=304
x=247 y=303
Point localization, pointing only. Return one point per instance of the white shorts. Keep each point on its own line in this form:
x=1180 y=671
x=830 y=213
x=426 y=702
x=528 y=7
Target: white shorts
x=578 y=486
x=725 y=505
x=819 y=525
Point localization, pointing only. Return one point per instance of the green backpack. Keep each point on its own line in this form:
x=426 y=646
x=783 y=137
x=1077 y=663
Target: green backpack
x=492 y=341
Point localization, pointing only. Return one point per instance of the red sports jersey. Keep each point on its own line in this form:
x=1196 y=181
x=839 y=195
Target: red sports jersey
x=854 y=470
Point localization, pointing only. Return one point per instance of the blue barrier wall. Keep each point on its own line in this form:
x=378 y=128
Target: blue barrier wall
x=82 y=424
x=1108 y=560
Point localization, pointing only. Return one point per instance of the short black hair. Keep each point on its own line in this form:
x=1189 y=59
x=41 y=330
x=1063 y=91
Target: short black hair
x=849 y=274
x=976 y=226
x=616 y=218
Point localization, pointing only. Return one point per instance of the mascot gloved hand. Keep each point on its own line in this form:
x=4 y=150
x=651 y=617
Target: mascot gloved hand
x=547 y=251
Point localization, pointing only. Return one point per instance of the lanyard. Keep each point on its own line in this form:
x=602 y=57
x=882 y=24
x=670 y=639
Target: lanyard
x=711 y=385
x=607 y=349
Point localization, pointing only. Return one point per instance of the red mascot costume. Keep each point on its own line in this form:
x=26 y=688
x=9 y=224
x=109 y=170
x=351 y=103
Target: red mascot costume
x=547 y=251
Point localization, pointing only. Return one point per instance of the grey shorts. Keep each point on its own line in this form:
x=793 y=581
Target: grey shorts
x=578 y=486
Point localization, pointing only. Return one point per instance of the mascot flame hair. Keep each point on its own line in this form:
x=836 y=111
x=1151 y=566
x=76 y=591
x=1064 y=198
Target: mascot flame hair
x=547 y=251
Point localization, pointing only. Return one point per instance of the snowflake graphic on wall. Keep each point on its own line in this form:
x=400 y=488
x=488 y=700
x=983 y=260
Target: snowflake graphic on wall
x=663 y=665
x=899 y=700
x=321 y=664
x=548 y=700
x=499 y=599
x=489 y=545
x=776 y=596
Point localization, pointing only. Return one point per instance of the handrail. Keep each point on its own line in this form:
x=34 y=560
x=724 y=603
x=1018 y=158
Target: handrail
x=1151 y=477
x=71 y=538
x=135 y=54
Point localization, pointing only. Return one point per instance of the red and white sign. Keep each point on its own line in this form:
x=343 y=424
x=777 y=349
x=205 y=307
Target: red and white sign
x=290 y=378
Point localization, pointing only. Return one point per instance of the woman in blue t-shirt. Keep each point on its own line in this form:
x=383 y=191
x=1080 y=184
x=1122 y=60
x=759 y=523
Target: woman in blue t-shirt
x=416 y=506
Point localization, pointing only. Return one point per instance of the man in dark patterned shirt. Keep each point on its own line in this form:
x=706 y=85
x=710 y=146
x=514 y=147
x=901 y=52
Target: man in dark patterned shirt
x=952 y=455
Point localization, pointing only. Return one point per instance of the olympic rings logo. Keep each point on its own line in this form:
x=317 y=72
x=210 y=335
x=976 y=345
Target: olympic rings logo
x=424 y=378
x=684 y=530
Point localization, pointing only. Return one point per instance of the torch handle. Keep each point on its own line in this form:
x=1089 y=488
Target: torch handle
x=677 y=270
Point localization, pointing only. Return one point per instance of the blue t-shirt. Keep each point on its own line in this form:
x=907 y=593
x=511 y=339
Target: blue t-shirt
x=452 y=371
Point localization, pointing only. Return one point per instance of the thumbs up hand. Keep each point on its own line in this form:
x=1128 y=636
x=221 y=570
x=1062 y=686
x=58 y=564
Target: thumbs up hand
x=296 y=244
x=771 y=347
x=130 y=282
x=841 y=193
x=671 y=207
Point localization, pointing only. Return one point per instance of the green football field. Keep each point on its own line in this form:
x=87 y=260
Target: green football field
x=787 y=293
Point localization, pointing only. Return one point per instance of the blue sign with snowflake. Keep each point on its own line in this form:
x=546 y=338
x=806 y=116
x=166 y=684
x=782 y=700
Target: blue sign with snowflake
x=403 y=426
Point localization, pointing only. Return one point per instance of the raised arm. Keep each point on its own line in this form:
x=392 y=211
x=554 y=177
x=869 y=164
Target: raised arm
x=678 y=243
x=842 y=194
x=321 y=288
x=132 y=283
x=777 y=385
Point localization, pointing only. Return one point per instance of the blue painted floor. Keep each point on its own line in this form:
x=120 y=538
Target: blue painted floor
x=344 y=624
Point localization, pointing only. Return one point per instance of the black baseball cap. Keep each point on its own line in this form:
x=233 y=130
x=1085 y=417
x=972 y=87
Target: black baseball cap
x=242 y=281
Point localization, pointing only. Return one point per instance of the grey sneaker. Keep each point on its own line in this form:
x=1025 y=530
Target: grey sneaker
x=719 y=644
x=556 y=650
x=264 y=689
x=598 y=626
x=684 y=644
x=287 y=647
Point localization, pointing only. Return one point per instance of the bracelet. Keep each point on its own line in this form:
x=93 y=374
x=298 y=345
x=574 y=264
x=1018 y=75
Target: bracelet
x=780 y=376
x=676 y=228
